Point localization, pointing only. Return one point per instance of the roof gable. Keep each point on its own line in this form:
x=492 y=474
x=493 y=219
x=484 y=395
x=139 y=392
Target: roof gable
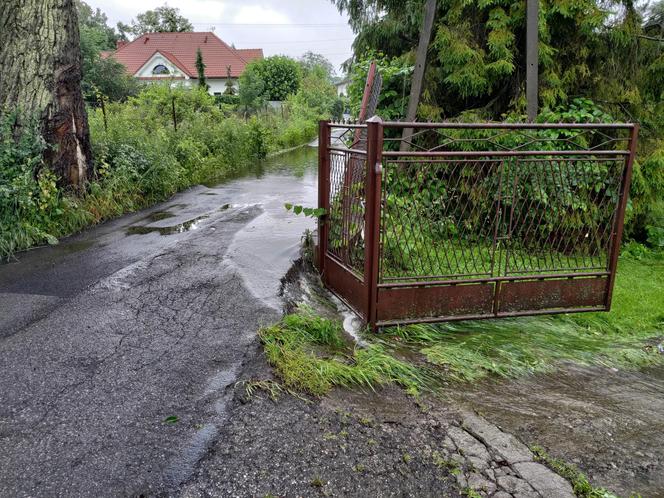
x=181 y=48
x=162 y=57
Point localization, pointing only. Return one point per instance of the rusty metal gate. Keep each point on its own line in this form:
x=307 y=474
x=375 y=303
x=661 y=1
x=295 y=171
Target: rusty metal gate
x=468 y=221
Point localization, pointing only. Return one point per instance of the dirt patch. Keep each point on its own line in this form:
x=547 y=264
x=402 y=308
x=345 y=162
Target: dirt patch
x=349 y=444
x=609 y=423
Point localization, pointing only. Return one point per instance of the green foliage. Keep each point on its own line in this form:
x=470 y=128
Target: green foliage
x=610 y=52
x=32 y=209
x=307 y=211
x=311 y=61
x=108 y=79
x=280 y=77
x=310 y=355
x=94 y=24
x=200 y=70
x=579 y=481
x=645 y=216
x=140 y=158
x=163 y=19
x=315 y=98
x=251 y=97
x=101 y=76
x=396 y=73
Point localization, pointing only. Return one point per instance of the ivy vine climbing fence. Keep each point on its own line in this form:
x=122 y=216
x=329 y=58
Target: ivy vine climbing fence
x=450 y=221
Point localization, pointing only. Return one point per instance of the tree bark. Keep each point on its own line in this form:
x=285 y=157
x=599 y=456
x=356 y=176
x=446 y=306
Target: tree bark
x=40 y=77
x=418 y=74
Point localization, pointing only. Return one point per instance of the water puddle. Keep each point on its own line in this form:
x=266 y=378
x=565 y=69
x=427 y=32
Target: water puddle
x=168 y=230
x=160 y=215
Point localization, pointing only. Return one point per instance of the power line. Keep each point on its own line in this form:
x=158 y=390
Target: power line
x=309 y=41
x=275 y=25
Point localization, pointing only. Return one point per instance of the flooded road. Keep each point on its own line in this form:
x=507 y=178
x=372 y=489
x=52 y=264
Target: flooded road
x=119 y=346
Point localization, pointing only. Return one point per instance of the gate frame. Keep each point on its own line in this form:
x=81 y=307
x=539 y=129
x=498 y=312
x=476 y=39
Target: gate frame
x=364 y=297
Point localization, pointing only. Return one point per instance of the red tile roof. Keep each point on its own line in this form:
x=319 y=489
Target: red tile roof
x=180 y=49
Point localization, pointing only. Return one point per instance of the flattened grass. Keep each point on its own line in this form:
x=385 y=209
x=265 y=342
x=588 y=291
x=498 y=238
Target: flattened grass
x=311 y=354
x=472 y=350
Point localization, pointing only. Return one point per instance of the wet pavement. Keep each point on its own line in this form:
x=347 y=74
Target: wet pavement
x=119 y=346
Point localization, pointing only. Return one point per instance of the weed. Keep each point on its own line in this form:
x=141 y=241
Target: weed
x=451 y=465
x=317 y=482
x=470 y=493
x=406 y=458
x=580 y=483
x=359 y=468
x=272 y=388
x=171 y=419
x=366 y=421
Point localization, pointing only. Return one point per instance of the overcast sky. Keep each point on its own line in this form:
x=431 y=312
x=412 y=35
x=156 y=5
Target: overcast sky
x=288 y=27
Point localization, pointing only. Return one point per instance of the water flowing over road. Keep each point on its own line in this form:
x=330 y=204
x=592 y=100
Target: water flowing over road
x=119 y=345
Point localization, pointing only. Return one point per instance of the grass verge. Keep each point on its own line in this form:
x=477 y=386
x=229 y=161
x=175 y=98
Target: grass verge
x=472 y=350
x=310 y=353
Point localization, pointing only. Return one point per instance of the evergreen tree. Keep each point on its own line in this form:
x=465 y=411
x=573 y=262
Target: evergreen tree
x=200 y=69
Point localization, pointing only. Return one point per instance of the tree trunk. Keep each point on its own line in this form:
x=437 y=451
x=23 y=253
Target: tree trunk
x=40 y=76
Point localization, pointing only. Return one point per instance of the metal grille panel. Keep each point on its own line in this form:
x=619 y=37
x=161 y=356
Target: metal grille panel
x=346 y=208
x=473 y=220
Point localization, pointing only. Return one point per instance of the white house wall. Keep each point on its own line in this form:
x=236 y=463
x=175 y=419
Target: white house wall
x=218 y=85
x=156 y=60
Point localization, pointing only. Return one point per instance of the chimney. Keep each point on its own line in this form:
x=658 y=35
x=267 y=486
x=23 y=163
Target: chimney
x=147 y=38
x=120 y=43
x=205 y=41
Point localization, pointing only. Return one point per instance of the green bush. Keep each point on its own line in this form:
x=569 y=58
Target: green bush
x=279 y=74
x=32 y=209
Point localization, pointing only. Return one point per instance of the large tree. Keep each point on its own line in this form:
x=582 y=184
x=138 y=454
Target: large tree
x=476 y=58
x=163 y=19
x=102 y=76
x=40 y=58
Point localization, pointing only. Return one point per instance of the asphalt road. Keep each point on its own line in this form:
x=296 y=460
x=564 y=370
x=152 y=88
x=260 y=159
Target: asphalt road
x=118 y=347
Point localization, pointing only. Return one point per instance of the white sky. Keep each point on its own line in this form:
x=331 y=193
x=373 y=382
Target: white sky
x=289 y=27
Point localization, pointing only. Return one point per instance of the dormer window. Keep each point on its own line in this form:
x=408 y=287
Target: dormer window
x=160 y=69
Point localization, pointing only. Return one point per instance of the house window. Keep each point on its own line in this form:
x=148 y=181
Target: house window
x=160 y=69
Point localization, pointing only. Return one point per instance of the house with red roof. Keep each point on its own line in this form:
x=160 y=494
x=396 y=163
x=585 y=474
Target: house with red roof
x=172 y=57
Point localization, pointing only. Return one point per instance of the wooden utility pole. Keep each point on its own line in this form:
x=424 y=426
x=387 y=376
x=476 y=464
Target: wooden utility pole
x=418 y=74
x=532 y=58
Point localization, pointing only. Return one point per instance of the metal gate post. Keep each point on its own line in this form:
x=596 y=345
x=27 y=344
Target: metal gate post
x=373 y=214
x=619 y=221
x=323 y=192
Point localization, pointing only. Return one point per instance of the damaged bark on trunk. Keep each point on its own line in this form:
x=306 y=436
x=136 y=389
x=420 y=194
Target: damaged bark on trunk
x=40 y=76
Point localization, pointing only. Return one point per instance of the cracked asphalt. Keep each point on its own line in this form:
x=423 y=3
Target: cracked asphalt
x=119 y=352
